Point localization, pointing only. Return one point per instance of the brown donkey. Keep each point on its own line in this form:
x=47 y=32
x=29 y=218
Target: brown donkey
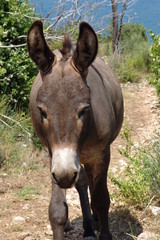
x=76 y=108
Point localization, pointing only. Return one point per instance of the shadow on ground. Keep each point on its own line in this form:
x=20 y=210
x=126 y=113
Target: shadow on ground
x=123 y=226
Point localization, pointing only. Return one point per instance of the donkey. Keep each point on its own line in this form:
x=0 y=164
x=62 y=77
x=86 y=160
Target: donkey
x=76 y=108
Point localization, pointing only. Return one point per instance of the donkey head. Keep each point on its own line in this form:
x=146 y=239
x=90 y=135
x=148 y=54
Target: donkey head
x=63 y=100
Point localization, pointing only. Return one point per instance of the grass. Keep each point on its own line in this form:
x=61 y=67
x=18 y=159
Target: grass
x=16 y=140
x=27 y=193
x=17 y=229
x=140 y=181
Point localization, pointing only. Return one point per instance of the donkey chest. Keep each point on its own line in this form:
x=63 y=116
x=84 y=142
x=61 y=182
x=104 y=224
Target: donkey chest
x=92 y=155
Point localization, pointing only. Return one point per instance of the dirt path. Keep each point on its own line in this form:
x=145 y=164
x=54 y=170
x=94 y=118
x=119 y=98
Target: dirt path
x=22 y=219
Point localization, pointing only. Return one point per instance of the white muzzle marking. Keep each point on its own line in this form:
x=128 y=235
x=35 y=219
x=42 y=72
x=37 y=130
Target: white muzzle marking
x=65 y=165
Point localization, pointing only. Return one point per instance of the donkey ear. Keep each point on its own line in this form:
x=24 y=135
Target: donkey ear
x=86 y=48
x=38 y=49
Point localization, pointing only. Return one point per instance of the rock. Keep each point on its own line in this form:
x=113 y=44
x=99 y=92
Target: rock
x=25 y=207
x=24 y=165
x=147 y=236
x=18 y=220
x=49 y=230
x=23 y=235
x=29 y=238
x=123 y=163
x=155 y=210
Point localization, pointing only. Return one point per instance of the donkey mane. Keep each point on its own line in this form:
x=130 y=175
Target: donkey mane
x=67 y=48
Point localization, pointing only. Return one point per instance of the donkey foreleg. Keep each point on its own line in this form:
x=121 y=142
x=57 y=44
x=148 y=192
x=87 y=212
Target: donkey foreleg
x=58 y=212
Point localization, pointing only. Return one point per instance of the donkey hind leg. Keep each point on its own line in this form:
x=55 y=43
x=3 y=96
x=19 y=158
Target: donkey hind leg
x=82 y=187
x=58 y=212
x=100 y=200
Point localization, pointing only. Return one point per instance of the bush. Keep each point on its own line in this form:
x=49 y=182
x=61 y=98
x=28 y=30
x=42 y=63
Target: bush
x=134 y=57
x=133 y=35
x=16 y=135
x=140 y=181
x=105 y=45
x=16 y=68
x=155 y=61
x=125 y=69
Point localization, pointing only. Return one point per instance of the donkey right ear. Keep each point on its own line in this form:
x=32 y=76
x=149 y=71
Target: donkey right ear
x=38 y=49
x=86 y=48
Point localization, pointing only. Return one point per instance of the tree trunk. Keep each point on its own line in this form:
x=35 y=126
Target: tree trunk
x=115 y=26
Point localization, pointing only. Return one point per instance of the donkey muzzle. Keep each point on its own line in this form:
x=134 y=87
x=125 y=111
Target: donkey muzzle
x=65 y=167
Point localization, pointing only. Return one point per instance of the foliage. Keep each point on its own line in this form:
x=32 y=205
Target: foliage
x=16 y=68
x=155 y=61
x=132 y=36
x=105 y=44
x=12 y=132
x=133 y=59
x=140 y=180
x=16 y=137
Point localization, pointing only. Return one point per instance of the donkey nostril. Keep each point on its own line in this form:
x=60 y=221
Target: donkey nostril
x=54 y=177
x=75 y=176
x=65 y=180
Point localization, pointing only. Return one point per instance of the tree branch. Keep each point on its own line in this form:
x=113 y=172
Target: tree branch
x=5 y=123
x=14 y=46
x=13 y=120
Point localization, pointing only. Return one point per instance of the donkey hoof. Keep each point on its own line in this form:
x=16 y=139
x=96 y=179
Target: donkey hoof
x=107 y=236
x=68 y=226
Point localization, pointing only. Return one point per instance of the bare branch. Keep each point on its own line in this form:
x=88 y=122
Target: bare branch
x=118 y=19
x=124 y=8
x=18 y=123
x=14 y=46
x=5 y=123
x=53 y=24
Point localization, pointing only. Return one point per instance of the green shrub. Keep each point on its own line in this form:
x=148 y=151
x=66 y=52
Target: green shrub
x=16 y=68
x=125 y=69
x=17 y=137
x=105 y=45
x=155 y=61
x=140 y=181
x=134 y=59
x=133 y=36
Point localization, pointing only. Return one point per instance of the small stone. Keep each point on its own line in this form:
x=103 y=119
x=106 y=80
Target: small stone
x=147 y=236
x=49 y=230
x=18 y=220
x=25 y=207
x=29 y=238
x=4 y=174
x=155 y=210
x=123 y=163
x=24 y=165
x=23 y=235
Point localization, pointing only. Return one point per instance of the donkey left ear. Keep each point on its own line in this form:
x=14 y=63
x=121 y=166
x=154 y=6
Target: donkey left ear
x=86 y=48
x=38 y=48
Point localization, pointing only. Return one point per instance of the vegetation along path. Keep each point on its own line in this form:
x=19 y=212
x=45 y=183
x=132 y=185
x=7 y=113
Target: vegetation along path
x=25 y=193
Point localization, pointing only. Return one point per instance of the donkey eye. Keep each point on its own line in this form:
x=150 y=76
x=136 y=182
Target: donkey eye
x=43 y=113
x=82 y=112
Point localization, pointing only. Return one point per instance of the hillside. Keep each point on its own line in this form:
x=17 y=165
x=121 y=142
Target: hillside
x=24 y=197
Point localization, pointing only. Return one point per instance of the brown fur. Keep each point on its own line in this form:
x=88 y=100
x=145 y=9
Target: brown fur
x=76 y=109
x=67 y=48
